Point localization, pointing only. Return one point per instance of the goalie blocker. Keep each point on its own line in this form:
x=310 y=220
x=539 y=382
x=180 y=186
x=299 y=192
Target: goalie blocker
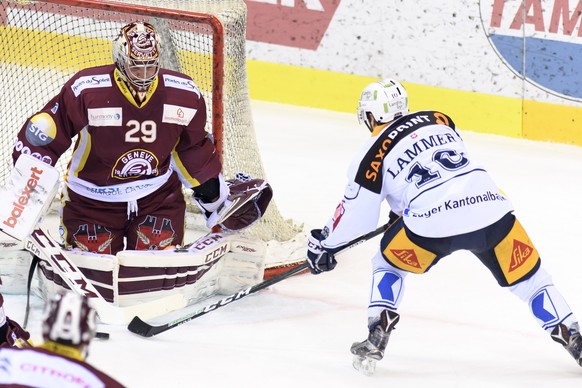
x=26 y=196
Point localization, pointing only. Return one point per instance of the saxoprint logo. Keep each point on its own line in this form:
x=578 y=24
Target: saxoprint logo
x=294 y=23
x=539 y=40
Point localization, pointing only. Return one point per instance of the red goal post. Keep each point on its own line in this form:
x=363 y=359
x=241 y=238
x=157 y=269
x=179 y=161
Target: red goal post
x=45 y=42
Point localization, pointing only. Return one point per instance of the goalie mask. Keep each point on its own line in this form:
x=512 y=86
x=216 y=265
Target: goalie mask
x=136 y=53
x=384 y=101
x=69 y=320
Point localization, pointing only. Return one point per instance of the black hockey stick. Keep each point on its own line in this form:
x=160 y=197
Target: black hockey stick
x=33 y=264
x=144 y=329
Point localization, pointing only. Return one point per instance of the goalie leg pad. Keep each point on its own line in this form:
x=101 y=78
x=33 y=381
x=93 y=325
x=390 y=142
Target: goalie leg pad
x=14 y=265
x=133 y=276
x=243 y=266
x=191 y=270
x=99 y=269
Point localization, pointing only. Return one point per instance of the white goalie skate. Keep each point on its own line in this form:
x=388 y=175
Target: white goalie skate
x=367 y=352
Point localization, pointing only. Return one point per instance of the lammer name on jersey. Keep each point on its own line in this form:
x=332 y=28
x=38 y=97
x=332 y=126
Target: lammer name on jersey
x=370 y=172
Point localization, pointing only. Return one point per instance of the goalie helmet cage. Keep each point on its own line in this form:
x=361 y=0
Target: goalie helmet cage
x=45 y=42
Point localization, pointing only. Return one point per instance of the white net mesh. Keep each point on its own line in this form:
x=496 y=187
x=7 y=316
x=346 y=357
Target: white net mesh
x=45 y=42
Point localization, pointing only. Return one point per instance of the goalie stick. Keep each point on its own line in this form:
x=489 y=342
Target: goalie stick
x=144 y=329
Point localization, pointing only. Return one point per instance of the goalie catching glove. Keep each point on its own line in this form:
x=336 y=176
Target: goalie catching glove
x=242 y=202
x=318 y=258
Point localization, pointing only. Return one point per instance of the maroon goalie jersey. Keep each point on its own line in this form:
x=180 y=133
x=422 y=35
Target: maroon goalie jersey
x=123 y=151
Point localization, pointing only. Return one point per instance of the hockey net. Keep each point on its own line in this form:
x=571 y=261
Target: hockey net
x=45 y=42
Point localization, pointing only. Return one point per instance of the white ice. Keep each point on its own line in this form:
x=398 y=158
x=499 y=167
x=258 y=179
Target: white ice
x=457 y=328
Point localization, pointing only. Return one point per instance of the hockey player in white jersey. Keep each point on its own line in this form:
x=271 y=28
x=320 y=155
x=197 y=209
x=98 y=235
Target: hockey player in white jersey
x=441 y=201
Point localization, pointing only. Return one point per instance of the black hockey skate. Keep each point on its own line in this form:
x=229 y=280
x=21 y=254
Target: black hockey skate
x=570 y=339
x=367 y=352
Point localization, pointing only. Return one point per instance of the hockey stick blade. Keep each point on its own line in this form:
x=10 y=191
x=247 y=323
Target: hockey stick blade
x=144 y=329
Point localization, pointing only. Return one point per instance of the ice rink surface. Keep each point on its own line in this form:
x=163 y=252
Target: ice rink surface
x=457 y=327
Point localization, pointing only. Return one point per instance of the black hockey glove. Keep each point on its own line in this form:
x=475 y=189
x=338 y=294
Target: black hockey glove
x=318 y=258
x=13 y=335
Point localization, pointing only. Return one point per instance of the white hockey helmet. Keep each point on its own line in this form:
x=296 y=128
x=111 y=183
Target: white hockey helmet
x=384 y=100
x=69 y=320
x=136 y=53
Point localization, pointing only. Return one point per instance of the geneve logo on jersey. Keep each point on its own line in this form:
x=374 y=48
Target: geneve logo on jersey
x=552 y=33
x=136 y=163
